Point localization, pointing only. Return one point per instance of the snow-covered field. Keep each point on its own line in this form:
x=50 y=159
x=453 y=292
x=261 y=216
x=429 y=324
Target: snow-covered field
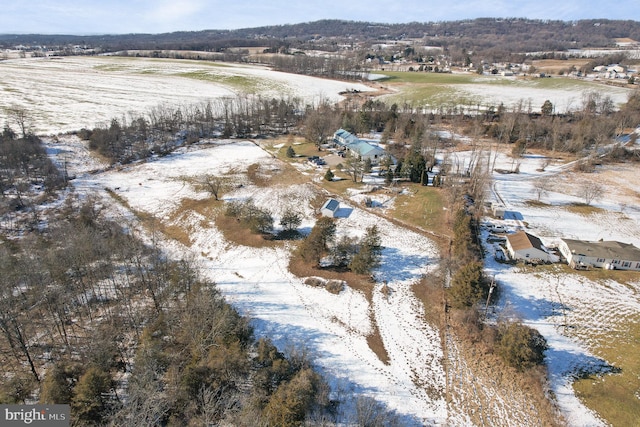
x=70 y=93
x=65 y=94
x=565 y=97
x=333 y=328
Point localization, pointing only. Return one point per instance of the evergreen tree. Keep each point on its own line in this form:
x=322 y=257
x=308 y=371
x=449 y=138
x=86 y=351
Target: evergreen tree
x=329 y=175
x=290 y=152
x=89 y=404
x=468 y=286
x=520 y=346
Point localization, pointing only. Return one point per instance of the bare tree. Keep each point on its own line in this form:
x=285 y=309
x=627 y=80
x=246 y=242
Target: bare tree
x=590 y=191
x=213 y=184
x=355 y=167
x=21 y=117
x=541 y=187
x=319 y=124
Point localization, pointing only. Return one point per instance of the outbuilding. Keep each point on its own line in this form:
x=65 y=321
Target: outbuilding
x=330 y=208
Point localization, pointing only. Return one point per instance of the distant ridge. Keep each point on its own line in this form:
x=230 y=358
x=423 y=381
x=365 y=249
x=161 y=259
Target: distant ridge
x=481 y=33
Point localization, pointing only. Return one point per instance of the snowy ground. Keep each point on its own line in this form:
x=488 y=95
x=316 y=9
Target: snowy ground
x=65 y=94
x=566 y=308
x=256 y=280
x=334 y=327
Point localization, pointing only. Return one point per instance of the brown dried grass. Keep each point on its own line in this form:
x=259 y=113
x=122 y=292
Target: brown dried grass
x=236 y=231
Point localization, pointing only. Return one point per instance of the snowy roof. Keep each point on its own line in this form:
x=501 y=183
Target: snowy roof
x=606 y=250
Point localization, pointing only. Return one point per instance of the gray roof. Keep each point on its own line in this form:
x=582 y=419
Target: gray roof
x=331 y=204
x=606 y=250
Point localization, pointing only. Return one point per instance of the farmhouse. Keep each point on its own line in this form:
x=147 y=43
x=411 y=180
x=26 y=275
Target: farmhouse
x=526 y=247
x=330 y=208
x=609 y=254
x=361 y=149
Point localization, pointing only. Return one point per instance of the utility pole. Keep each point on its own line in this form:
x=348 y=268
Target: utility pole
x=491 y=287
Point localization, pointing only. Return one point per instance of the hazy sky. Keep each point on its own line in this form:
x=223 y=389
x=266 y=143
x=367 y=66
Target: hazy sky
x=158 y=16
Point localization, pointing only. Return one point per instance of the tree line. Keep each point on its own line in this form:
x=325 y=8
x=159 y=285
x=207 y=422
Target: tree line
x=164 y=127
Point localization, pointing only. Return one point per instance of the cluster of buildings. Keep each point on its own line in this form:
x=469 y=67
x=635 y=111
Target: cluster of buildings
x=579 y=254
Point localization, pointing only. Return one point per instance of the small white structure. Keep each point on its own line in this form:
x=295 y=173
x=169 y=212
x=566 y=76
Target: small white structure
x=330 y=208
x=526 y=247
x=497 y=210
x=581 y=254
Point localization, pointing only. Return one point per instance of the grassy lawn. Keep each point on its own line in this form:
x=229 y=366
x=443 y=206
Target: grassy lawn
x=616 y=397
x=421 y=207
x=427 y=78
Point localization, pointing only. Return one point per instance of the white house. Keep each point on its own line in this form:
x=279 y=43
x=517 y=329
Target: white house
x=609 y=254
x=330 y=208
x=526 y=247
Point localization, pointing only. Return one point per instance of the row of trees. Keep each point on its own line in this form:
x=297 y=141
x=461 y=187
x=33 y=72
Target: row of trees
x=165 y=127
x=470 y=291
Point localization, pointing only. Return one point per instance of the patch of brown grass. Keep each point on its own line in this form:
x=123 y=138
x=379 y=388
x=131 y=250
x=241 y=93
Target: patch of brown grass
x=205 y=207
x=430 y=292
x=176 y=233
x=583 y=209
x=553 y=66
x=537 y=204
x=236 y=232
x=374 y=340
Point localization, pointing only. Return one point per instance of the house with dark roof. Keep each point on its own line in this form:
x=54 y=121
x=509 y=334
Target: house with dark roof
x=582 y=254
x=527 y=247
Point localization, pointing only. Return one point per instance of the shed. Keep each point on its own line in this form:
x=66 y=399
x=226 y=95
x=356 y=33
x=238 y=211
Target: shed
x=330 y=208
x=497 y=210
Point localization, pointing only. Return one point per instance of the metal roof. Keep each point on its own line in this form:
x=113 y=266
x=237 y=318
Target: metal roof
x=331 y=204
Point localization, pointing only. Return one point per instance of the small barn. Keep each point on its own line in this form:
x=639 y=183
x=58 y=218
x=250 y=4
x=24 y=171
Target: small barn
x=527 y=247
x=330 y=208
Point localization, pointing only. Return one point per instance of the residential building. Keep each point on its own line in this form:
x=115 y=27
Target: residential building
x=527 y=247
x=604 y=254
x=357 y=147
